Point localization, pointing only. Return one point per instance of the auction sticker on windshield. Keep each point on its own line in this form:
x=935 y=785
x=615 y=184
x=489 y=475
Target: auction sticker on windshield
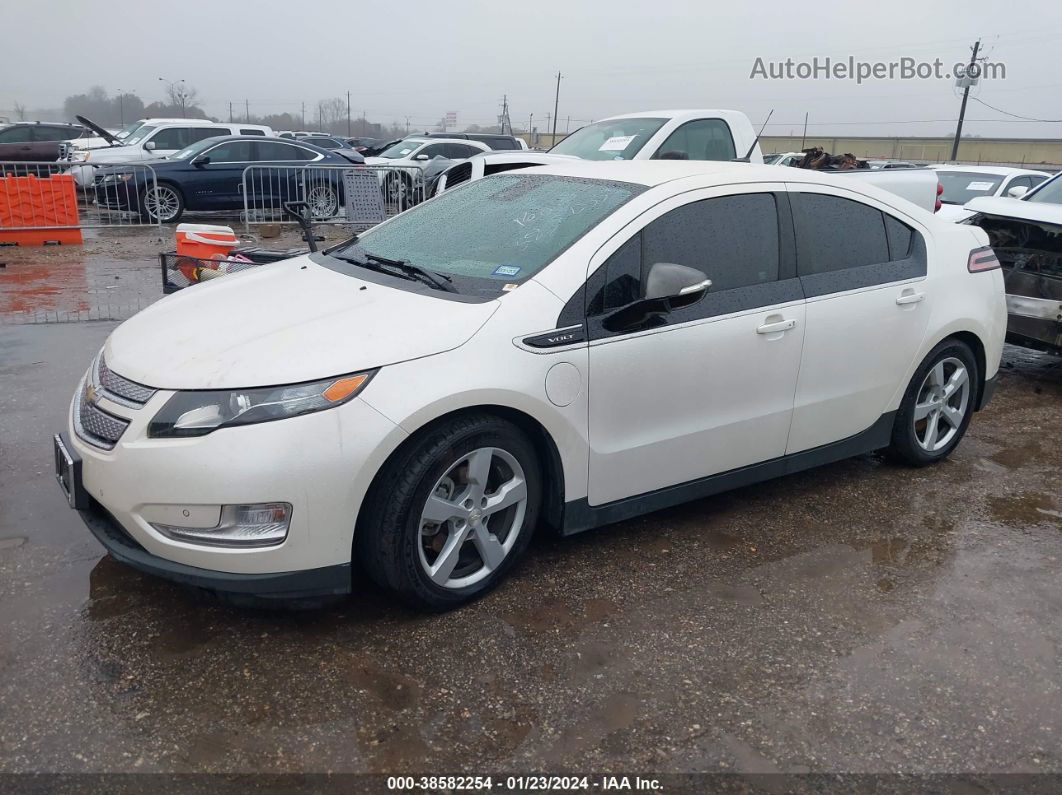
x=617 y=143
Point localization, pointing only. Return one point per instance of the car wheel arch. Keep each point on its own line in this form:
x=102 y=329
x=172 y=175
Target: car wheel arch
x=963 y=333
x=552 y=511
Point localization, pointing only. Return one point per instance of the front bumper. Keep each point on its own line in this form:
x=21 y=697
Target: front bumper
x=320 y=583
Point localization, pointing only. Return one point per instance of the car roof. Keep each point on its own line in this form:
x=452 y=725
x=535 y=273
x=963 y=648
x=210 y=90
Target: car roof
x=682 y=114
x=1004 y=171
x=657 y=172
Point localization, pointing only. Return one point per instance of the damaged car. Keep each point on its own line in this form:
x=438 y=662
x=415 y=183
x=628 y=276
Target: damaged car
x=1026 y=235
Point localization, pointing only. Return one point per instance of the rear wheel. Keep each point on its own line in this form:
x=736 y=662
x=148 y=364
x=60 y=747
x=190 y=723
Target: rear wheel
x=938 y=405
x=161 y=203
x=451 y=513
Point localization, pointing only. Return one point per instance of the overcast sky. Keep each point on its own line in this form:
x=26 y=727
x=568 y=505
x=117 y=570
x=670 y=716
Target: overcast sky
x=421 y=59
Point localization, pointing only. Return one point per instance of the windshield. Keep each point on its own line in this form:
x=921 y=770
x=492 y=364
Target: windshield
x=499 y=230
x=139 y=135
x=961 y=186
x=1050 y=193
x=124 y=133
x=401 y=149
x=619 y=139
x=769 y=160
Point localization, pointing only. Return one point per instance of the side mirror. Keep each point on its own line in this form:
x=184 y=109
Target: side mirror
x=150 y=146
x=200 y=160
x=668 y=287
x=1017 y=191
x=421 y=157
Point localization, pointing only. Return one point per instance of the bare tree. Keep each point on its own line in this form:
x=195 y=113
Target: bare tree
x=20 y=111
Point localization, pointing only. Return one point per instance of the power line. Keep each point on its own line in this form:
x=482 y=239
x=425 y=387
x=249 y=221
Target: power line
x=1015 y=115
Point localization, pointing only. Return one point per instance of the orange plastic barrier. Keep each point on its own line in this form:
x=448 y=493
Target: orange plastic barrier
x=31 y=201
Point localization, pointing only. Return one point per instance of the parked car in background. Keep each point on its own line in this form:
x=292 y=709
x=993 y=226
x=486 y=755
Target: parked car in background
x=497 y=142
x=1026 y=235
x=963 y=183
x=363 y=144
x=487 y=163
x=885 y=165
x=412 y=153
x=783 y=159
x=335 y=144
x=153 y=141
x=38 y=141
x=638 y=346
x=103 y=137
x=208 y=176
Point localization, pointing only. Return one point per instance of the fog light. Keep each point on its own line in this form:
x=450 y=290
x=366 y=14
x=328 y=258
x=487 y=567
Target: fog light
x=261 y=525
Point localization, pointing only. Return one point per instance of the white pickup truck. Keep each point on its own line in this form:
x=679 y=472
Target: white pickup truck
x=714 y=135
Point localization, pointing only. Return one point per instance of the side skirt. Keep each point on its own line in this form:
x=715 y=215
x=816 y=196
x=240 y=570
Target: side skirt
x=579 y=515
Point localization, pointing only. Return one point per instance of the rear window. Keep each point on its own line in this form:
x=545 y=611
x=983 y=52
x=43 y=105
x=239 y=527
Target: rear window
x=961 y=186
x=250 y=131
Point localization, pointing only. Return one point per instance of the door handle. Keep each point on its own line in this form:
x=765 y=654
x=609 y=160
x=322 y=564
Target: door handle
x=910 y=298
x=774 y=328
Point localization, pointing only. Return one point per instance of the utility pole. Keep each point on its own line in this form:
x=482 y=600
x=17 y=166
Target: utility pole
x=230 y=112
x=247 y=110
x=965 y=96
x=348 y=114
x=567 y=125
x=407 y=125
x=556 y=102
x=804 y=135
x=121 y=106
x=304 y=115
x=530 y=118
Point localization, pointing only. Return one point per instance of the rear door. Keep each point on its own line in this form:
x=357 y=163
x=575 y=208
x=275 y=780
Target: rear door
x=862 y=267
x=709 y=387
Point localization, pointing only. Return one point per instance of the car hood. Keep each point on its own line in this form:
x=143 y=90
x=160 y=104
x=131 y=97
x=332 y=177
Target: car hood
x=284 y=323
x=1002 y=207
x=388 y=161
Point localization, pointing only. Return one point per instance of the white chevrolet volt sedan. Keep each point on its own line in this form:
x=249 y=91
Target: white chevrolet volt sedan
x=559 y=347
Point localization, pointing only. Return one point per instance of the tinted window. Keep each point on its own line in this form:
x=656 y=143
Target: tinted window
x=275 y=150
x=834 y=234
x=231 y=152
x=733 y=240
x=251 y=132
x=45 y=133
x=704 y=139
x=436 y=150
x=458 y=151
x=171 y=138
x=202 y=133
x=1036 y=180
x=497 y=168
x=15 y=135
x=900 y=237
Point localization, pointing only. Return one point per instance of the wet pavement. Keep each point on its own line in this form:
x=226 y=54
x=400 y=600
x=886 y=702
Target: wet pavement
x=862 y=617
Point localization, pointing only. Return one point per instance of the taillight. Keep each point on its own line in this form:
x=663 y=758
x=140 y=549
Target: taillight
x=982 y=259
x=940 y=190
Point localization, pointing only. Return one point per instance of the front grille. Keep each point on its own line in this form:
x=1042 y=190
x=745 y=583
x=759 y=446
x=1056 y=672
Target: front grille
x=96 y=426
x=120 y=390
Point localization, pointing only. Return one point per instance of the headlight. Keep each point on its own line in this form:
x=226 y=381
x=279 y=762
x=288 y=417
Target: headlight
x=79 y=156
x=111 y=179
x=199 y=413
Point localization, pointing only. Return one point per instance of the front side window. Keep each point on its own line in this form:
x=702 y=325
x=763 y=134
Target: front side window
x=961 y=186
x=140 y=134
x=498 y=230
x=733 y=240
x=618 y=139
x=171 y=138
x=703 y=139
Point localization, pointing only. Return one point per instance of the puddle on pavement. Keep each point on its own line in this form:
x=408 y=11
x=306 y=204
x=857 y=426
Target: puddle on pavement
x=1025 y=508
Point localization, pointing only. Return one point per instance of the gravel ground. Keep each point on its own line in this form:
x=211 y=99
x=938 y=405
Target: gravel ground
x=860 y=618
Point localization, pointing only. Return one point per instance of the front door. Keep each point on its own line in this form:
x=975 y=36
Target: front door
x=219 y=183
x=709 y=387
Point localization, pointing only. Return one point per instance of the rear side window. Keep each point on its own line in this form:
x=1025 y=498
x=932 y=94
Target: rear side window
x=251 y=132
x=458 y=174
x=499 y=143
x=900 y=237
x=202 y=133
x=835 y=234
x=497 y=168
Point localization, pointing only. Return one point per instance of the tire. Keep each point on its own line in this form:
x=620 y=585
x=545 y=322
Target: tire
x=174 y=202
x=403 y=537
x=917 y=438
x=398 y=190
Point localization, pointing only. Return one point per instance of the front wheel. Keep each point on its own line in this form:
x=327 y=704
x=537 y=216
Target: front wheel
x=450 y=514
x=938 y=405
x=161 y=204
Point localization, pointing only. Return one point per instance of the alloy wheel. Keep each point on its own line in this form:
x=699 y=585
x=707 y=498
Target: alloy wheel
x=472 y=518
x=941 y=405
x=322 y=202
x=161 y=203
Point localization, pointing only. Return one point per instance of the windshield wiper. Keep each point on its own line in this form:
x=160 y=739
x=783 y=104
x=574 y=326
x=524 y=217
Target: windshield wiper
x=440 y=281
